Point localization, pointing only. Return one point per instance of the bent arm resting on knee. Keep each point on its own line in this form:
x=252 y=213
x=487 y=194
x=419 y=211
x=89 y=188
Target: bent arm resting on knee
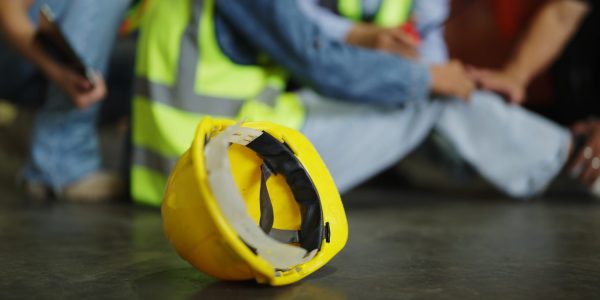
x=550 y=31
x=19 y=31
x=392 y=40
x=553 y=26
x=333 y=68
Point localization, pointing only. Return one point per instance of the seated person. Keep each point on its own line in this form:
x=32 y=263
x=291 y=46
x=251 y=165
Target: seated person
x=64 y=159
x=363 y=110
x=565 y=32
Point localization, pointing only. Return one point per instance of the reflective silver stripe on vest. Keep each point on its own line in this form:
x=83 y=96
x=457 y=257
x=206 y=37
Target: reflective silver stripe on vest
x=269 y=96
x=153 y=161
x=176 y=97
x=182 y=95
x=189 y=52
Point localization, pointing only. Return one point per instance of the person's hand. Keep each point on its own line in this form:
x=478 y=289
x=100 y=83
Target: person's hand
x=501 y=82
x=397 y=41
x=586 y=165
x=451 y=80
x=391 y=40
x=78 y=88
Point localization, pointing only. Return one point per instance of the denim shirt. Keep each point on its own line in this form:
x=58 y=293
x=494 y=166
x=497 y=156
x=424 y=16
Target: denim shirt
x=332 y=68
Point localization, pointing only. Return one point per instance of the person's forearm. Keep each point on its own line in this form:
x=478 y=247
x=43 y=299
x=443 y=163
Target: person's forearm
x=332 y=68
x=363 y=35
x=19 y=31
x=545 y=39
x=339 y=28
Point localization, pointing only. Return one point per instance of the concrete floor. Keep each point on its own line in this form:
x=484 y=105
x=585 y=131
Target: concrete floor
x=403 y=245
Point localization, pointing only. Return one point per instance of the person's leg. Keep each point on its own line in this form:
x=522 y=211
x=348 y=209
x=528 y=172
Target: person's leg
x=64 y=141
x=358 y=141
x=516 y=150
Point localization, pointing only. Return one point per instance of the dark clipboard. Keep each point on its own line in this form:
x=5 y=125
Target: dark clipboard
x=52 y=39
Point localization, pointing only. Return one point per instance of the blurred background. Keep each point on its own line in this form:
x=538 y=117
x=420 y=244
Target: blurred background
x=478 y=32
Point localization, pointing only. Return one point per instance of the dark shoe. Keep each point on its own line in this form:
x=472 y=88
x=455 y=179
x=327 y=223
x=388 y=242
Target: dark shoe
x=37 y=191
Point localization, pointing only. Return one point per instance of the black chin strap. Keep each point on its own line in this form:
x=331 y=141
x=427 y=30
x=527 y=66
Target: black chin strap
x=266 y=207
x=279 y=159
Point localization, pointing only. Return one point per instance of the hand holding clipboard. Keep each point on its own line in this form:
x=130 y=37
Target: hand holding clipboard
x=79 y=81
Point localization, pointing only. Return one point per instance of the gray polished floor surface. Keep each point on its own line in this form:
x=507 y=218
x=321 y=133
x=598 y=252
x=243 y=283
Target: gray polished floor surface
x=403 y=245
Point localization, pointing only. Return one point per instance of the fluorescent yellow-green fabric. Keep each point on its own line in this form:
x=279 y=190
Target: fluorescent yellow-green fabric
x=160 y=125
x=147 y=186
x=285 y=112
x=351 y=9
x=163 y=129
x=157 y=58
x=218 y=75
x=391 y=13
x=157 y=128
x=159 y=42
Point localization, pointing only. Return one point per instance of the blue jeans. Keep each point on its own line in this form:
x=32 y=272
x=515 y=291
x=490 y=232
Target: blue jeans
x=516 y=150
x=64 y=144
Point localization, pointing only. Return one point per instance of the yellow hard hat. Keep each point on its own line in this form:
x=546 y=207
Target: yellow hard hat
x=253 y=200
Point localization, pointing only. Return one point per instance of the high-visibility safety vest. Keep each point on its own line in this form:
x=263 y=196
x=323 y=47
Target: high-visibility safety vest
x=390 y=13
x=181 y=76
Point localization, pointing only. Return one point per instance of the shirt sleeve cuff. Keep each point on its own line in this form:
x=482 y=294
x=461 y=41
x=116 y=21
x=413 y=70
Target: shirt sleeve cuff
x=420 y=76
x=332 y=25
x=339 y=29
